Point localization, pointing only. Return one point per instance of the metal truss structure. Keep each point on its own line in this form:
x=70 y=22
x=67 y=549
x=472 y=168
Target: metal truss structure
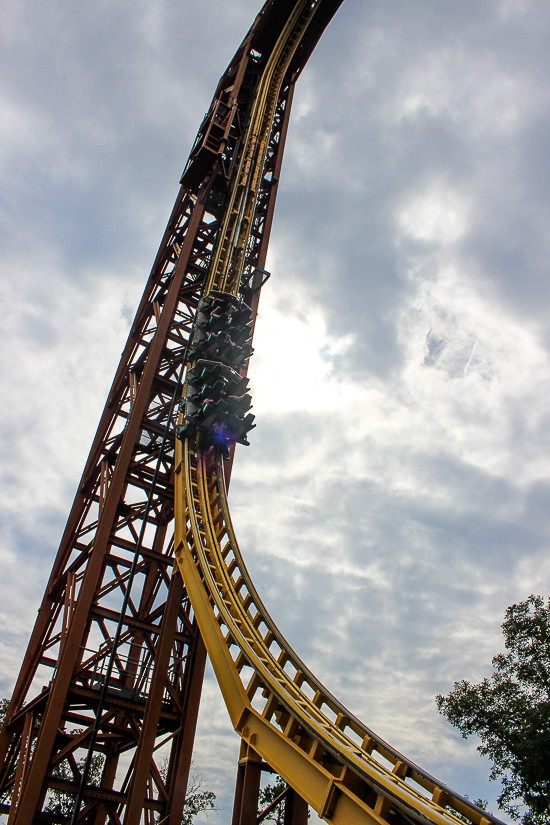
x=112 y=677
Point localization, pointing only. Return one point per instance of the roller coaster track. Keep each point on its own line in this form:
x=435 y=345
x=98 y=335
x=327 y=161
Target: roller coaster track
x=115 y=663
x=282 y=712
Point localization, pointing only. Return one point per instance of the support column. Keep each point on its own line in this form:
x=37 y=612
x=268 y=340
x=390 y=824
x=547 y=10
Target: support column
x=182 y=756
x=296 y=809
x=247 y=788
x=25 y=749
x=145 y=749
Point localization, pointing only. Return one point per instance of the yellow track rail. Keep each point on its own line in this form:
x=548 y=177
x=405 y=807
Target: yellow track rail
x=228 y=255
x=281 y=711
x=337 y=764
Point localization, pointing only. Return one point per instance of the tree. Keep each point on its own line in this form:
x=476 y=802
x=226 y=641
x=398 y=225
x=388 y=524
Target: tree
x=197 y=801
x=268 y=795
x=510 y=712
x=4 y=705
x=61 y=802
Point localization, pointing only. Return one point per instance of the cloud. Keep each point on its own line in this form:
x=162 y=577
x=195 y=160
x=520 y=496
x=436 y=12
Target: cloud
x=394 y=499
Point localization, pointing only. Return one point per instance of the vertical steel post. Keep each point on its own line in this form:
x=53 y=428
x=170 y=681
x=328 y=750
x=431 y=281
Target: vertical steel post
x=296 y=809
x=247 y=787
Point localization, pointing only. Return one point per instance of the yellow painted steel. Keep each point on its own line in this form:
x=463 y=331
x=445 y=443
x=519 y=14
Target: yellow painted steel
x=228 y=255
x=281 y=711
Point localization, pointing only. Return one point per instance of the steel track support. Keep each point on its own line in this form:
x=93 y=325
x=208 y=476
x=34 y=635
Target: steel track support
x=178 y=774
x=144 y=752
x=34 y=779
x=247 y=787
x=182 y=751
x=123 y=510
x=247 y=792
x=296 y=809
x=26 y=740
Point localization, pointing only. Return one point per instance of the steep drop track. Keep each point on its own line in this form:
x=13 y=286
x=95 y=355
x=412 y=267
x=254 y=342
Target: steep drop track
x=281 y=711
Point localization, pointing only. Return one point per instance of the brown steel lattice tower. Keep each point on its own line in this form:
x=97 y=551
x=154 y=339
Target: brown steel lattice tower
x=115 y=663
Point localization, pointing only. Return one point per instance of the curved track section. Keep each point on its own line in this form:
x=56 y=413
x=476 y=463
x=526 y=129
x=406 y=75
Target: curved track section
x=282 y=712
x=343 y=770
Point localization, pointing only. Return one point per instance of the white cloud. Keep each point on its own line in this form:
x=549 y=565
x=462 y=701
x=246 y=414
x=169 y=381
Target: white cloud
x=436 y=215
x=473 y=90
x=394 y=498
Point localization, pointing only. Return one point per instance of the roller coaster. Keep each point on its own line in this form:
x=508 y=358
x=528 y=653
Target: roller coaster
x=122 y=637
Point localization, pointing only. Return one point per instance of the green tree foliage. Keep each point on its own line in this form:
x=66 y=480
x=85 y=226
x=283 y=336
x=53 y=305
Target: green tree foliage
x=268 y=795
x=197 y=800
x=4 y=705
x=62 y=803
x=510 y=712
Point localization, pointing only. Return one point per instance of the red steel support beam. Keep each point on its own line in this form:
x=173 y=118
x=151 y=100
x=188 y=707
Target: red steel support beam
x=296 y=809
x=247 y=788
x=127 y=491
x=34 y=779
x=181 y=765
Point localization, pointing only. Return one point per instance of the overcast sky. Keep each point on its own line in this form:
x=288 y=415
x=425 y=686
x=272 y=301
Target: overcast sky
x=394 y=499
